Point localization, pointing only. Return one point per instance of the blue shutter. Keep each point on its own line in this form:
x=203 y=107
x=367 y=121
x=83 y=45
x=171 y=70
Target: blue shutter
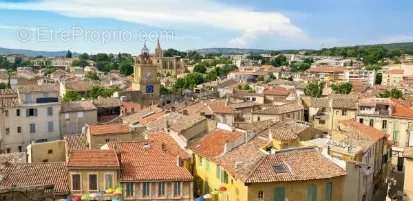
x=329 y=191
x=279 y=194
x=312 y=193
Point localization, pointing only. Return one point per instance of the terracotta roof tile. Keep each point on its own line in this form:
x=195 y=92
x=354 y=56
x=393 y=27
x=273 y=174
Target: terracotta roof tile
x=34 y=174
x=362 y=129
x=327 y=69
x=219 y=106
x=85 y=159
x=213 y=143
x=152 y=160
x=401 y=109
x=108 y=129
x=277 y=91
x=395 y=71
x=299 y=164
x=76 y=142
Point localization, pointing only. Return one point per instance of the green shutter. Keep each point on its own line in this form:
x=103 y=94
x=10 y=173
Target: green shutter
x=312 y=193
x=279 y=194
x=218 y=172
x=329 y=191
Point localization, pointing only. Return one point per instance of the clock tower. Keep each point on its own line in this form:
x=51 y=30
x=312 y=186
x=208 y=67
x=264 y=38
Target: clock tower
x=145 y=77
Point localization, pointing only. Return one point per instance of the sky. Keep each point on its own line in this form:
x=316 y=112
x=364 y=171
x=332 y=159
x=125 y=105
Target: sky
x=124 y=25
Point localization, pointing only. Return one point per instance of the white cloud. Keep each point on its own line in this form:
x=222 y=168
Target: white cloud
x=397 y=39
x=248 y=24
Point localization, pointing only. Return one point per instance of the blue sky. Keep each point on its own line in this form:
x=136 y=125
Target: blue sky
x=123 y=25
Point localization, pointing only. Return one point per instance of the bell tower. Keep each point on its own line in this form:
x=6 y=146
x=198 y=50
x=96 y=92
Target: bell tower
x=158 y=50
x=145 y=77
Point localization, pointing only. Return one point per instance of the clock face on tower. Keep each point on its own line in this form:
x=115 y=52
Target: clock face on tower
x=148 y=76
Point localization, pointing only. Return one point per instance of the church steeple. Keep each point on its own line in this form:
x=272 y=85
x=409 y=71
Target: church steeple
x=158 y=50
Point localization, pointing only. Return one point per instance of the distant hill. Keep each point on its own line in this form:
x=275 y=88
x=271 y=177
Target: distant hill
x=33 y=53
x=407 y=46
x=232 y=51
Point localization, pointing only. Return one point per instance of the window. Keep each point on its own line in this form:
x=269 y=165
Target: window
x=67 y=116
x=32 y=128
x=50 y=111
x=329 y=191
x=18 y=112
x=8 y=150
x=6 y=113
x=384 y=124
x=108 y=181
x=19 y=129
x=76 y=182
x=260 y=195
x=343 y=112
x=218 y=172
x=93 y=182
x=161 y=189
x=129 y=190
x=80 y=114
x=107 y=140
x=145 y=189
x=31 y=112
x=322 y=121
x=50 y=126
x=177 y=189
x=20 y=148
x=279 y=194
x=224 y=177
x=371 y=122
x=361 y=120
x=7 y=131
x=50 y=151
x=312 y=193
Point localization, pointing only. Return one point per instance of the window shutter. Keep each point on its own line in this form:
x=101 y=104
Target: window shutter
x=312 y=193
x=329 y=191
x=279 y=194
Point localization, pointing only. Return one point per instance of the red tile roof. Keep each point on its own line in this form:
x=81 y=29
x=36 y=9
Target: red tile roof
x=213 y=143
x=76 y=142
x=105 y=129
x=277 y=91
x=362 y=129
x=36 y=174
x=401 y=109
x=91 y=159
x=396 y=71
x=220 y=107
x=299 y=164
x=326 y=69
x=155 y=159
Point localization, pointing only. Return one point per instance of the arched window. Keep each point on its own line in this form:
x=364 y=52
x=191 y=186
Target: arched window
x=260 y=196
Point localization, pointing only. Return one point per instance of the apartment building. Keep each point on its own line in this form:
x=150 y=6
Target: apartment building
x=30 y=114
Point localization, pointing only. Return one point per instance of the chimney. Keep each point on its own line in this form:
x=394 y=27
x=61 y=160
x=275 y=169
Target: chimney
x=163 y=146
x=179 y=161
x=146 y=145
x=226 y=148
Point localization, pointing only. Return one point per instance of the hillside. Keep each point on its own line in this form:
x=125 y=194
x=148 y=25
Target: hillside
x=33 y=53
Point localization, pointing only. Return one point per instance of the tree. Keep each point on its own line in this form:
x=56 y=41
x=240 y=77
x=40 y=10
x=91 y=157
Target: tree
x=126 y=69
x=378 y=79
x=393 y=93
x=3 y=86
x=212 y=75
x=92 y=76
x=69 y=54
x=200 y=68
x=343 y=88
x=314 y=89
x=72 y=96
x=300 y=66
x=279 y=61
x=165 y=91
